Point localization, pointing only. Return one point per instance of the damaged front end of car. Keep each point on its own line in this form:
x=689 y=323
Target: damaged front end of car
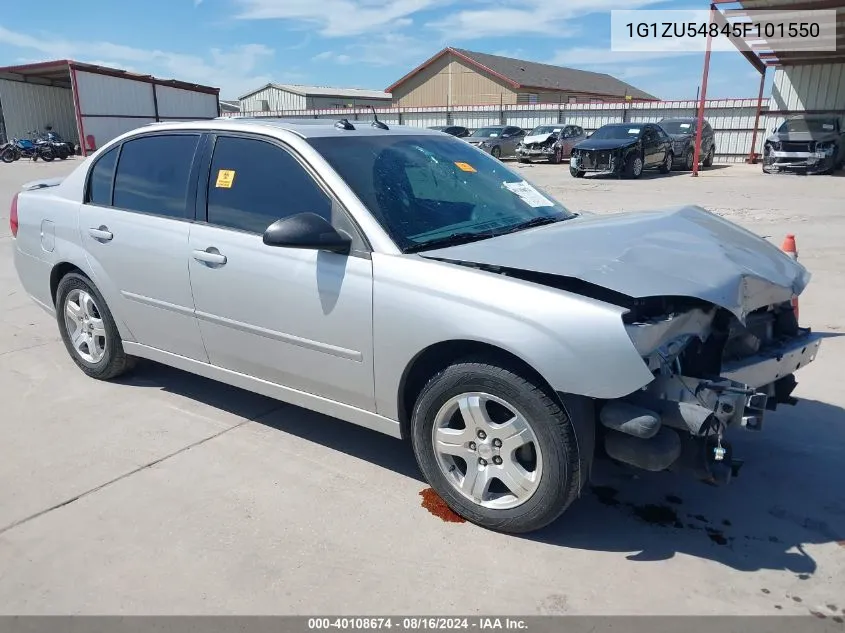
x=712 y=373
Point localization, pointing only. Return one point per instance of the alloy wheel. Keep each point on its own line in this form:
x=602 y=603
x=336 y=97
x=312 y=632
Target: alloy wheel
x=85 y=326
x=638 y=166
x=487 y=450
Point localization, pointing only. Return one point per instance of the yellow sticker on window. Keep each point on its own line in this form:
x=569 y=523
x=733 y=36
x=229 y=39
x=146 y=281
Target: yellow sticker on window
x=225 y=178
x=466 y=167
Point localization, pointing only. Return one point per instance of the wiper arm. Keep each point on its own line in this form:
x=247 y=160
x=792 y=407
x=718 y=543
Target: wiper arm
x=449 y=240
x=538 y=221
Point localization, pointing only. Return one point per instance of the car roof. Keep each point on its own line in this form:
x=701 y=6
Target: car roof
x=680 y=118
x=304 y=128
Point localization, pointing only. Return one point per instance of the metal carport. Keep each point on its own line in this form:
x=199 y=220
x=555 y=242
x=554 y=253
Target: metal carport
x=810 y=82
x=94 y=103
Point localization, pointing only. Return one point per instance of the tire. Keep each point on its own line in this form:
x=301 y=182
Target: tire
x=689 y=158
x=46 y=155
x=557 y=157
x=633 y=168
x=63 y=152
x=496 y=152
x=524 y=160
x=102 y=356
x=666 y=167
x=549 y=483
x=575 y=173
x=9 y=155
x=708 y=162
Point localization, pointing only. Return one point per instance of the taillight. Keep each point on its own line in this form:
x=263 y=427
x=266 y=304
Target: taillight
x=13 y=216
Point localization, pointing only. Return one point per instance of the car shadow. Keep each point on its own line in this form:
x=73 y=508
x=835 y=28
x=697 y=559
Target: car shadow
x=783 y=500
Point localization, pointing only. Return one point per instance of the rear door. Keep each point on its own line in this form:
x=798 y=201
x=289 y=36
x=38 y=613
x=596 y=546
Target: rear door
x=300 y=318
x=651 y=147
x=134 y=228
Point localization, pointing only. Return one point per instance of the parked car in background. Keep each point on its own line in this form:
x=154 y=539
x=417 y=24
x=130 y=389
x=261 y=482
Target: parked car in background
x=814 y=144
x=623 y=149
x=455 y=130
x=399 y=279
x=682 y=130
x=500 y=141
x=550 y=142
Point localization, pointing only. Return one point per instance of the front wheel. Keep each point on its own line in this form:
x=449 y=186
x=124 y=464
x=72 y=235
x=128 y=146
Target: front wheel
x=9 y=155
x=496 y=446
x=88 y=329
x=634 y=166
x=575 y=173
x=496 y=152
x=46 y=155
x=557 y=157
x=708 y=161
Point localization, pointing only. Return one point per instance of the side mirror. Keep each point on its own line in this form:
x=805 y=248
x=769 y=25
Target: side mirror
x=307 y=230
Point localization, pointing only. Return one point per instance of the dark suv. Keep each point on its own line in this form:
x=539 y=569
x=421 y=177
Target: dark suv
x=682 y=130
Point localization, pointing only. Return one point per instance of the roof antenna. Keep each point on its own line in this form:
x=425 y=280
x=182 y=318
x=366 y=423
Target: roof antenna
x=376 y=122
x=344 y=124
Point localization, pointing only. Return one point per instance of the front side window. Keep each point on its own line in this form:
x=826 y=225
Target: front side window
x=101 y=178
x=427 y=190
x=152 y=174
x=253 y=183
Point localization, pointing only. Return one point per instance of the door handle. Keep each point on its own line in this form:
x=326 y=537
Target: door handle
x=210 y=256
x=101 y=234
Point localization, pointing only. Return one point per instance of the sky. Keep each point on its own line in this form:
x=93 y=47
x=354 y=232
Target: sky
x=240 y=45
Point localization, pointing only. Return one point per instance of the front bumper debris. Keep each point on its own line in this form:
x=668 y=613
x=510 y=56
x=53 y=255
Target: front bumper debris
x=602 y=162
x=809 y=162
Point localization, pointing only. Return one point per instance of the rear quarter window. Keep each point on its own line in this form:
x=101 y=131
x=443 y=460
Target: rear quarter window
x=101 y=178
x=153 y=172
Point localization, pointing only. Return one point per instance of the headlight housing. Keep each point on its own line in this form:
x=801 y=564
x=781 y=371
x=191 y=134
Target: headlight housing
x=826 y=147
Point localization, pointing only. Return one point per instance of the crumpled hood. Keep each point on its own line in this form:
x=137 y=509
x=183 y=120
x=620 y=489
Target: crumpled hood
x=684 y=251
x=605 y=143
x=537 y=138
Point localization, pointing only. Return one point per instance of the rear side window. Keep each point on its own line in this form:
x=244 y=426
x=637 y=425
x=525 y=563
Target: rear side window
x=102 y=176
x=152 y=174
x=254 y=183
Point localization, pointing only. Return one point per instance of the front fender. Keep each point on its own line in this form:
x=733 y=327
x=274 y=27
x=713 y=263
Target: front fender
x=579 y=345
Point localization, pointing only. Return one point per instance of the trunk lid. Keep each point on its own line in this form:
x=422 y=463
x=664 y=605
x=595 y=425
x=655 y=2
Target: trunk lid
x=685 y=251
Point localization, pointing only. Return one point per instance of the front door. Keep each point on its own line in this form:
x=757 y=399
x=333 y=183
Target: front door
x=134 y=227
x=652 y=149
x=300 y=318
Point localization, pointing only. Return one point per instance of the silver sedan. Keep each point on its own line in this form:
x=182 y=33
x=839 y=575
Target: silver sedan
x=406 y=282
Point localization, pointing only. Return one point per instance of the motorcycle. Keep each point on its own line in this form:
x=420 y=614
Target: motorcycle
x=64 y=148
x=26 y=148
x=42 y=141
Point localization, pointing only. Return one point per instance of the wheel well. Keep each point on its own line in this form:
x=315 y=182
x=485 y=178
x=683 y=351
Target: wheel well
x=56 y=275
x=441 y=355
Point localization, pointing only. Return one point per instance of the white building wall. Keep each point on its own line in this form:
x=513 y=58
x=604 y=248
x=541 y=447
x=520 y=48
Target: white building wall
x=106 y=95
x=28 y=107
x=177 y=102
x=809 y=88
x=275 y=99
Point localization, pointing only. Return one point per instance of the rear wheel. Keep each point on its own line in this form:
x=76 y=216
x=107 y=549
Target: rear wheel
x=496 y=152
x=689 y=159
x=708 y=162
x=666 y=167
x=46 y=154
x=496 y=446
x=88 y=329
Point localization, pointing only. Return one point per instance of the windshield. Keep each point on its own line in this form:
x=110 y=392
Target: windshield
x=813 y=126
x=678 y=127
x=424 y=189
x=544 y=129
x=488 y=132
x=617 y=132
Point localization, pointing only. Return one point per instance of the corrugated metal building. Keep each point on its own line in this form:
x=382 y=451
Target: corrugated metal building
x=273 y=97
x=457 y=77
x=94 y=104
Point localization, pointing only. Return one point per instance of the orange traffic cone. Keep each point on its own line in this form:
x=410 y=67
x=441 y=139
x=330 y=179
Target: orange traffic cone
x=790 y=248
